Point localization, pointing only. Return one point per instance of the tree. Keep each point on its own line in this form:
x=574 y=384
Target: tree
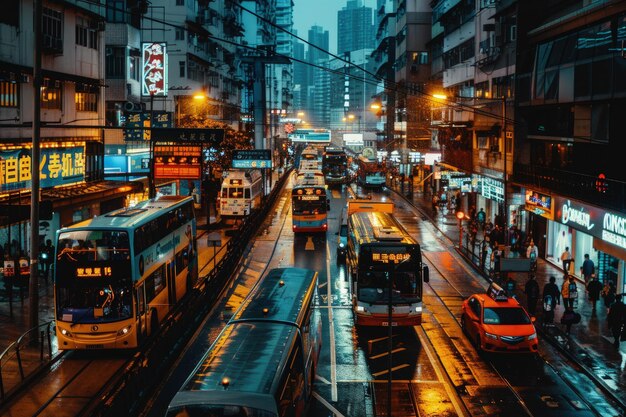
x=220 y=157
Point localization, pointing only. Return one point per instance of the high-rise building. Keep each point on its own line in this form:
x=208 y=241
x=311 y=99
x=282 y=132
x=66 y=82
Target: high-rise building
x=355 y=29
x=318 y=95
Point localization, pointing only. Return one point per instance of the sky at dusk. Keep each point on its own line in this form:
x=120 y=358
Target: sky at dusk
x=307 y=13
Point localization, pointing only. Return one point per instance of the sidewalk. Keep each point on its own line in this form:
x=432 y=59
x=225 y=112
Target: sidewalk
x=590 y=342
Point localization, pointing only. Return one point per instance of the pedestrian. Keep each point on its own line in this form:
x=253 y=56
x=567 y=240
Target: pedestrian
x=435 y=202
x=608 y=293
x=481 y=217
x=532 y=294
x=615 y=319
x=509 y=286
x=587 y=268
x=551 y=297
x=495 y=259
x=569 y=291
x=568 y=318
x=566 y=259
x=593 y=288
x=48 y=259
x=532 y=253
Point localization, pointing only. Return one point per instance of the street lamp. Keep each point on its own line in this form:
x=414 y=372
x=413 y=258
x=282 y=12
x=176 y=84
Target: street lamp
x=460 y=215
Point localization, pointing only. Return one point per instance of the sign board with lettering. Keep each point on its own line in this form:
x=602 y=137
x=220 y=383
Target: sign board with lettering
x=310 y=135
x=177 y=161
x=212 y=137
x=154 y=73
x=252 y=158
x=540 y=204
x=57 y=166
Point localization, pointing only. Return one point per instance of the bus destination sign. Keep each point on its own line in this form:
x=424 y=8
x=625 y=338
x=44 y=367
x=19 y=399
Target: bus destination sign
x=390 y=258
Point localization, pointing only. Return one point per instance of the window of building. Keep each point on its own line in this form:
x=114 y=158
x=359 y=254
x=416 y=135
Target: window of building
x=86 y=35
x=8 y=94
x=133 y=64
x=180 y=34
x=86 y=98
x=115 y=62
x=52 y=23
x=116 y=11
x=181 y=69
x=10 y=13
x=180 y=2
x=51 y=94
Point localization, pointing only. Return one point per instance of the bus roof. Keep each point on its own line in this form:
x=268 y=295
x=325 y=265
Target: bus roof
x=378 y=227
x=355 y=206
x=282 y=292
x=132 y=216
x=250 y=355
x=249 y=174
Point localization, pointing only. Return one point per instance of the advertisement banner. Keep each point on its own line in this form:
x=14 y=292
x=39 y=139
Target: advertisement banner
x=540 y=204
x=57 y=166
x=177 y=161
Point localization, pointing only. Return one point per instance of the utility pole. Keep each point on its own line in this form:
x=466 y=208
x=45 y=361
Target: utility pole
x=33 y=287
x=505 y=176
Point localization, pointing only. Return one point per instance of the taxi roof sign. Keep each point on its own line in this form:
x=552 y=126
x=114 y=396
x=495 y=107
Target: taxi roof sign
x=496 y=292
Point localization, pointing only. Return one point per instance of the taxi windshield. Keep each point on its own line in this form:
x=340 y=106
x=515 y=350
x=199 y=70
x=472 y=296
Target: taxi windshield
x=506 y=316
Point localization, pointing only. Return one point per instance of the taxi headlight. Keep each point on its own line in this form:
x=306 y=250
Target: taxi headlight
x=532 y=336
x=491 y=335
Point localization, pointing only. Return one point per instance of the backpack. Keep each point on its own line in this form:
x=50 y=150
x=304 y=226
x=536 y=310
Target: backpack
x=481 y=216
x=573 y=292
x=547 y=303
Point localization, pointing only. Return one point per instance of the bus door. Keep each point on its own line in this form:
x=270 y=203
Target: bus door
x=141 y=312
x=171 y=282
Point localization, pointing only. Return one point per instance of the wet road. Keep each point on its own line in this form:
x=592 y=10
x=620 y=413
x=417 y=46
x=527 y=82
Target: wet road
x=436 y=371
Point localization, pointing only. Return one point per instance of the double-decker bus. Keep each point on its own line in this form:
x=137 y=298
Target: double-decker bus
x=309 y=159
x=118 y=276
x=309 y=206
x=317 y=177
x=370 y=173
x=241 y=193
x=263 y=362
x=381 y=253
x=335 y=165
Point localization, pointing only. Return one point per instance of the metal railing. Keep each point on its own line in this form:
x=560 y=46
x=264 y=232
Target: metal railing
x=26 y=357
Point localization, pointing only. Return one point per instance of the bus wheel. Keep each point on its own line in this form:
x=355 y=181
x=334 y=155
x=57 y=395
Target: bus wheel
x=154 y=322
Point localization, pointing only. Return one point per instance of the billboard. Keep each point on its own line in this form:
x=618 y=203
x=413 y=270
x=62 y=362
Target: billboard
x=310 y=135
x=154 y=69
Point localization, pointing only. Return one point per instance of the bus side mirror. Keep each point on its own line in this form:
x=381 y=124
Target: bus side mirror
x=425 y=274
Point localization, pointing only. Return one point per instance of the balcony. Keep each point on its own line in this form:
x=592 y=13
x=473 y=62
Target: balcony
x=605 y=193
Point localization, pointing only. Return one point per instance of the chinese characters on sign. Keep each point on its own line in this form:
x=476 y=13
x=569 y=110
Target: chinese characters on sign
x=154 y=75
x=57 y=166
x=94 y=272
x=252 y=158
x=177 y=161
x=136 y=124
x=387 y=258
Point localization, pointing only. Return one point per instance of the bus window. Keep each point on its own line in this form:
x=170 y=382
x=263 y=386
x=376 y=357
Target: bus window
x=235 y=192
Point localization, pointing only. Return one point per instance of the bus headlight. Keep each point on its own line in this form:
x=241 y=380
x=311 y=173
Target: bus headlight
x=124 y=330
x=341 y=245
x=66 y=332
x=360 y=309
x=418 y=309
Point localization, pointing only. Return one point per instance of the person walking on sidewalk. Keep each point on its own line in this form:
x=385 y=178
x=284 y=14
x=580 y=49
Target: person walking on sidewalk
x=593 y=288
x=532 y=253
x=568 y=318
x=532 y=294
x=615 y=319
x=551 y=297
x=587 y=269
x=569 y=291
x=608 y=294
x=566 y=259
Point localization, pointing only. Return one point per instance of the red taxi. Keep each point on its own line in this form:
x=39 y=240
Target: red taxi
x=495 y=322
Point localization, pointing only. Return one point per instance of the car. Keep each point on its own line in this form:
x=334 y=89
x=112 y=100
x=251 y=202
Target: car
x=495 y=322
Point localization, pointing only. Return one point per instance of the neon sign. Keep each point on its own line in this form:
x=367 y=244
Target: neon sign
x=390 y=258
x=94 y=272
x=154 y=74
x=576 y=215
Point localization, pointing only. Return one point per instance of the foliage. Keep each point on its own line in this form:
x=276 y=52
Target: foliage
x=233 y=139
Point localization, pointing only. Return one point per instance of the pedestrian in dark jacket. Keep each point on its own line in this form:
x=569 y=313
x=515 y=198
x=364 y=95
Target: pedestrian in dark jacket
x=551 y=297
x=593 y=288
x=532 y=294
x=569 y=317
x=615 y=319
x=608 y=294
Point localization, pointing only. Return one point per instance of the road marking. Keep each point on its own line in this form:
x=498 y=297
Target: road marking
x=309 y=243
x=438 y=367
x=387 y=353
x=327 y=405
x=395 y=368
x=331 y=328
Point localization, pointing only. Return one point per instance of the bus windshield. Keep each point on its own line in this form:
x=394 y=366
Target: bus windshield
x=93 y=283
x=374 y=287
x=309 y=204
x=208 y=410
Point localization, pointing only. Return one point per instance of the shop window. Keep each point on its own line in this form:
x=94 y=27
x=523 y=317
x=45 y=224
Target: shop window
x=51 y=94
x=86 y=101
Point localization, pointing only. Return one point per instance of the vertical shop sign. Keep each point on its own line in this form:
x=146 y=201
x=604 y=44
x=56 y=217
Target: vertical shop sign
x=154 y=69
